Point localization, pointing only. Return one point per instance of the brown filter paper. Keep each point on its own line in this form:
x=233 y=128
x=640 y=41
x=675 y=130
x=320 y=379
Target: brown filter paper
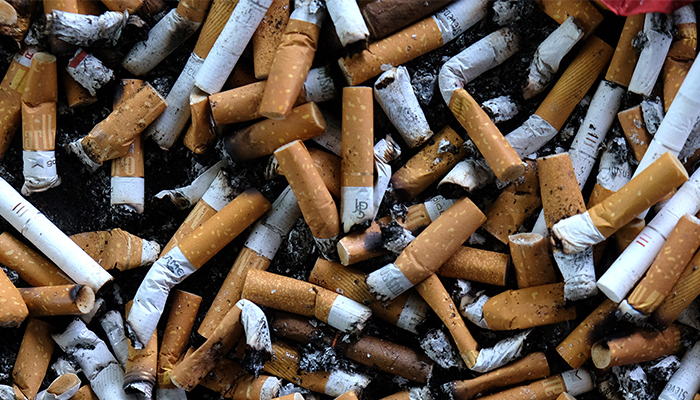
x=237 y=105
x=176 y=336
x=357 y=165
x=685 y=290
x=268 y=36
x=624 y=60
x=531 y=260
x=289 y=68
x=328 y=166
x=628 y=233
x=131 y=163
x=13 y=311
x=219 y=14
x=199 y=214
x=11 y=89
x=476 y=265
x=584 y=11
x=514 y=205
x=47 y=301
x=33 y=357
x=39 y=104
x=85 y=393
x=679 y=59
x=31 y=266
x=111 y=249
x=576 y=348
x=528 y=308
x=635 y=131
x=384 y=17
x=561 y=196
x=642 y=345
x=76 y=95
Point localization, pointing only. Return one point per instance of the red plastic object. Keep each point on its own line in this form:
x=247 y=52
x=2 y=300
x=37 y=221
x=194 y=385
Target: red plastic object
x=632 y=7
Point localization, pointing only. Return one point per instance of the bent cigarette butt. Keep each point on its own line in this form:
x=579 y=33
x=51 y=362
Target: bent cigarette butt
x=13 y=311
x=516 y=203
x=635 y=131
x=117 y=249
x=588 y=16
x=625 y=58
x=31 y=266
x=531 y=260
x=268 y=36
x=476 y=265
x=642 y=345
x=33 y=357
x=201 y=134
x=177 y=334
x=58 y=300
x=76 y=95
x=657 y=41
x=575 y=349
x=528 y=308
x=62 y=388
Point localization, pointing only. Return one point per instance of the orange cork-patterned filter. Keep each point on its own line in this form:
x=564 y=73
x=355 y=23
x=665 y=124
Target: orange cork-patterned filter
x=132 y=6
x=561 y=196
x=531 y=260
x=575 y=349
x=357 y=137
x=193 y=10
x=201 y=134
x=268 y=36
x=13 y=311
x=679 y=59
x=548 y=388
x=583 y=10
x=33 y=357
x=528 y=308
x=45 y=301
x=11 y=89
x=635 y=131
x=625 y=57
x=111 y=249
x=31 y=266
x=476 y=265
x=176 y=336
x=219 y=14
x=686 y=289
x=642 y=345
x=39 y=104
x=199 y=214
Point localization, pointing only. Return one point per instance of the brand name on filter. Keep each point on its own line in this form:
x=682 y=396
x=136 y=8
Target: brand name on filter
x=360 y=207
x=679 y=391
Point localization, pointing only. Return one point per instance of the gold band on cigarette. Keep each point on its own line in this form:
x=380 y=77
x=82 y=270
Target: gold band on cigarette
x=528 y=308
x=31 y=266
x=476 y=265
x=231 y=289
x=576 y=80
x=501 y=157
x=115 y=249
x=587 y=16
x=13 y=311
x=434 y=293
x=183 y=312
x=531 y=260
x=642 y=345
x=289 y=69
x=262 y=139
x=11 y=90
x=58 y=300
x=686 y=289
x=575 y=349
x=422 y=170
x=516 y=203
x=200 y=213
x=625 y=57
x=561 y=196
x=532 y=366
x=635 y=131
x=316 y=203
x=33 y=357
x=268 y=36
x=219 y=14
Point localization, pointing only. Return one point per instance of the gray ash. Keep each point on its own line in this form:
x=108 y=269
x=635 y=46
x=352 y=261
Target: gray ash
x=314 y=359
x=396 y=237
x=633 y=383
x=662 y=369
x=254 y=360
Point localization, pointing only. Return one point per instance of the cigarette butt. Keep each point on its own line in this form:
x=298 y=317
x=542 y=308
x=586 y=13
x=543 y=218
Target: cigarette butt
x=39 y=127
x=561 y=196
x=679 y=60
x=575 y=349
x=58 y=300
x=219 y=14
x=399 y=48
x=237 y=105
x=85 y=393
x=31 y=266
x=674 y=73
x=117 y=249
x=586 y=14
x=13 y=311
x=40 y=86
x=565 y=396
x=193 y=10
x=501 y=157
x=176 y=336
x=628 y=233
x=531 y=260
x=76 y=95
x=8 y=14
x=573 y=382
x=268 y=36
x=476 y=265
x=199 y=214
x=242 y=75
x=357 y=167
x=127 y=182
x=11 y=90
x=33 y=357
x=201 y=134
x=635 y=131
x=533 y=366
x=230 y=380
x=345 y=396
x=316 y=203
x=685 y=290
x=132 y=6
x=575 y=81
x=303 y=298
x=406 y=311
x=516 y=203
x=140 y=371
x=386 y=17
x=24 y=11
x=263 y=138
x=528 y=308
x=642 y=345
x=625 y=57
x=328 y=166
x=437 y=157
x=675 y=254
x=63 y=387
x=289 y=68
x=112 y=137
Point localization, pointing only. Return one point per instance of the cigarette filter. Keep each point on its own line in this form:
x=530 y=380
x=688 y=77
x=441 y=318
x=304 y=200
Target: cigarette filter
x=575 y=349
x=683 y=293
x=285 y=364
x=76 y=95
x=127 y=185
x=642 y=345
x=348 y=21
x=85 y=393
x=31 y=266
x=681 y=55
x=587 y=15
x=623 y=206
x=303 y=298
x=328 y=166
x=316 y=203
x=268 y=36
x=263 y=138
x=117 y=249
x=625 y=57
x=87 y=30
x=39 y=125
x=62 y=388
x=140 y=371
x=635 y=132
x=11 y=90
x=189 y=255
x=385 y=17
x=385 y=151
x=58 y=300
x=357 y=166
x=476 y=265
x=628 y=233
x=657 y=32
x=406 y=311
x=416 y=393
x=229 y=45
x=686 y=380
x=33 y=357
x=50 y=240
x=531 y=260
x=186 y=196
x=516 y=203
x=201 y=133
x=132 y=6
x=573 y=382
x=229 y=379
x=176 y=336
x=239 y=104
x=361 y=246
x=527 y=308
x=423 y=256
x=434 y=293
x=530 y=367
x=418 y=39
x=169 y=33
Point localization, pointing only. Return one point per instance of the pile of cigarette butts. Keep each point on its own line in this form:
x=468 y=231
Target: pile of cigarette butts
x=611 y=261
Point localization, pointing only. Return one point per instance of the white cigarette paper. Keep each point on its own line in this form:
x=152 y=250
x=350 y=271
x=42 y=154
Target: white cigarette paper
x=614 y=171
x=270 y=231
x=39 y=170
x=348 y=21
x=395 y=95
x=113 y=325
x=685 y=382
x=319 y=86
x=257 y=330
x=50 y=240
x=504 y=352
x=458 y=16
x=189 y=195
x=578 y=271
x=331 y=139
x=385 y=151
x=168 y=34
x=88 y=71
x=531 y=135
x=470 y=174
x=577 y=381
x=657 y=32
x=87 y=30
x=341 y=381
x=98 y=364
x=545 y=62
x=501 y=108
x=230 y=44
x=438 y=348
x=62 y=392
